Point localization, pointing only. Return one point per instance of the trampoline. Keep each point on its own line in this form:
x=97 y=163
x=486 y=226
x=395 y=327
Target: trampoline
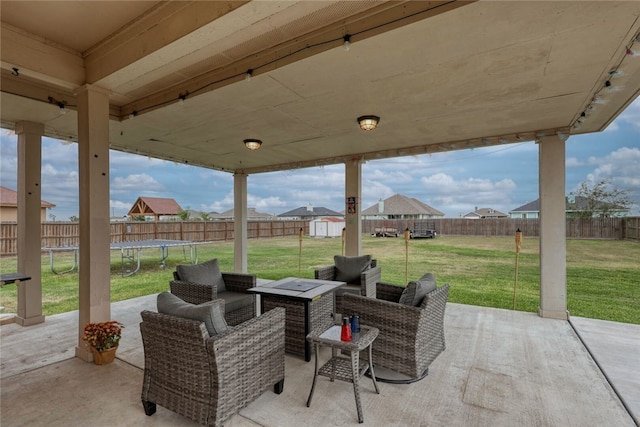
x=130 y=253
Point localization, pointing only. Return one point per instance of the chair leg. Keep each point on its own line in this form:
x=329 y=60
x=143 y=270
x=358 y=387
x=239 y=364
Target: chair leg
x=149 y=407
x=278 y=387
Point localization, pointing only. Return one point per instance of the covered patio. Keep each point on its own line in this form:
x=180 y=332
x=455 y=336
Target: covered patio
x=190 y=81
x=500 y=368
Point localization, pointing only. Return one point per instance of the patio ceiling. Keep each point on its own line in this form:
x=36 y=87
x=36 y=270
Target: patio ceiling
x=441 y=75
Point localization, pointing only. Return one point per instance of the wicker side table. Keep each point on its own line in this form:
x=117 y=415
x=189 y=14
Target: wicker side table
x=344 y=367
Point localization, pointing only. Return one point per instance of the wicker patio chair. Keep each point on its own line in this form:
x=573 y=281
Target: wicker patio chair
x=411 y=337
x=209 y=378
x=240 y=305
x=361 y=281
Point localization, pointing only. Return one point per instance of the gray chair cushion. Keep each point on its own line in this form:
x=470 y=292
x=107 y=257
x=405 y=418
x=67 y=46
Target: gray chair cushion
x=207 y=273
x=415 y=292
x=349 y=268
x=234 y=301
x=211 y=313
x=349 y=289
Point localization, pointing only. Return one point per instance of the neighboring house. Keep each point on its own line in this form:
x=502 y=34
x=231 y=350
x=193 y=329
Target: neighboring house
x=530 y=210
x=574 y=206
x=483 y=213
x=252 y=215
x=401 y=207
x=308 y=213
x=156 y=207
x=9 y=206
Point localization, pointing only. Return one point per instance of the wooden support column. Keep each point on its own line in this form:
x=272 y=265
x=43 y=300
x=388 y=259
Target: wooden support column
x=353 y=205
x=240 y=223
x=95 y=239
x=553 y=251
x=29 y=220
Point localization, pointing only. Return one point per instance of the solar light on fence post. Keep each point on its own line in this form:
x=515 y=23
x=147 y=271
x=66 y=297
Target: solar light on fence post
x=518 y=246
x=407 y=234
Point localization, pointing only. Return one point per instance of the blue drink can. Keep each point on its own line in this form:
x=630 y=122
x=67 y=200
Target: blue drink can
x=355 y=324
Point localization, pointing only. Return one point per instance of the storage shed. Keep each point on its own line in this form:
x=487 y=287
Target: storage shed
x=326 y=227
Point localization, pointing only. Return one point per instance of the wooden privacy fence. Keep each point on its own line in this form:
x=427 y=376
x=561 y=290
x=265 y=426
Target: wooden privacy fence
x=632 y=228
x=61 y=234
x=64 y=234
x=576 y=228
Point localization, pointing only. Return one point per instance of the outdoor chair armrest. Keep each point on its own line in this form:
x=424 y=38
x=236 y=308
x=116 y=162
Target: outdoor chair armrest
x=242 y=338
x=326 y=273
x=249 y=358
x=398 y=321
x=194 y=293
x=239 y=282
x=368 y=280
x=388 y=291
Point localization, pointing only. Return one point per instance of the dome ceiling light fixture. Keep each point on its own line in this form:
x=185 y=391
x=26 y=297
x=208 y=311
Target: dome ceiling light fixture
x=252 y=144
x=368 y=122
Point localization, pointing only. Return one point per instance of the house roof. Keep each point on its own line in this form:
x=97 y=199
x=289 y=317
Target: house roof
x=528 y=207
x=402 y=205
x=304 y=211
x=9 y=197
x=155 y=206
x=487 y=213
x=579 y=203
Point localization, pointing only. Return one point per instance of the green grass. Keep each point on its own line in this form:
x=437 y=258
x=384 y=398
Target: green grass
x=603 y=276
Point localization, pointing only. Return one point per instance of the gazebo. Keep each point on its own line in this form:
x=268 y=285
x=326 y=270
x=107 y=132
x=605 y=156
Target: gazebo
x=156 y=207
x=302 y=84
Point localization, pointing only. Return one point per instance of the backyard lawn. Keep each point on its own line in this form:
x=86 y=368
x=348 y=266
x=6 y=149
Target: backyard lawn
x=603 y=276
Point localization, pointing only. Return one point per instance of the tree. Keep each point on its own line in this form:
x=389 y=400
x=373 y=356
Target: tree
x=184 y=215
x=600 y=199
x=205 y=216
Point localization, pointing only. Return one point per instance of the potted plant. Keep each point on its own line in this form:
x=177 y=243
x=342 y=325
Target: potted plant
x=103 y=339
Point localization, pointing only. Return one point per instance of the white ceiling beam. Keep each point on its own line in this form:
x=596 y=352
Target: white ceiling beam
x=143 y=45
x=40 y=59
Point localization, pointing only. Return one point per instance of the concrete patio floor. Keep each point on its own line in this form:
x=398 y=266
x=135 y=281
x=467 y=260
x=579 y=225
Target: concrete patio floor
x=500 y=368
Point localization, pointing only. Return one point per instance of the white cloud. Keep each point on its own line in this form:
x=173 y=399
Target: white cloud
x=573 y=162
x=438 y=180
x=266 y=204
x=390 y=175
x=140 y=183
x=453 y=196
x=219 y=206
x=445 y=184
x=631 y=115
x=372 y=191
x=623 y=167
x=120 y=160
x=120 y=205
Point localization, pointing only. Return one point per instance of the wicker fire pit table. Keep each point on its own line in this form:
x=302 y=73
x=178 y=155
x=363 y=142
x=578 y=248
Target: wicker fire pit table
x=308 y=304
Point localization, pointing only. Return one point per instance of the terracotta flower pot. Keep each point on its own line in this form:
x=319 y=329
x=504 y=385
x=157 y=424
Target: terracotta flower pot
x=103 y=357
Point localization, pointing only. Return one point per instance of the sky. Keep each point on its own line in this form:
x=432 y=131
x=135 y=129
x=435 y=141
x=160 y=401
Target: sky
x=501 y=177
